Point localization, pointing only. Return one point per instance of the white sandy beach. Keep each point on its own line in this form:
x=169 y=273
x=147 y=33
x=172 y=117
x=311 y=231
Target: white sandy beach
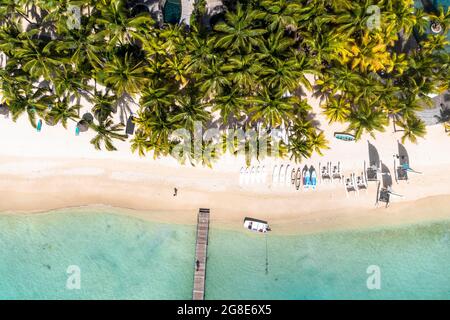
x=56 y=169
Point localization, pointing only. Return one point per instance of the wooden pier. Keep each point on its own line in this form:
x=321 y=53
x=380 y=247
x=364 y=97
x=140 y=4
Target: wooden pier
x=201 y=249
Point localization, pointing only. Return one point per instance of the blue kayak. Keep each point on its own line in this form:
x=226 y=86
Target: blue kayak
x=307 y=179
x=314 y=179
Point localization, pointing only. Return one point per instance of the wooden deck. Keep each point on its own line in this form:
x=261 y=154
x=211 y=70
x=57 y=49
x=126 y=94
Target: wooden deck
x=201 y=249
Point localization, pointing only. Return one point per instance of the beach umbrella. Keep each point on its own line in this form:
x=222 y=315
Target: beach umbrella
x=4 y=109
x=88 y=117
x=83 y=125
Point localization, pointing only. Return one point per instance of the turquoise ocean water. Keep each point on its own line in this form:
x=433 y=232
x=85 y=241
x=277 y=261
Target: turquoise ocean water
x=124 y=257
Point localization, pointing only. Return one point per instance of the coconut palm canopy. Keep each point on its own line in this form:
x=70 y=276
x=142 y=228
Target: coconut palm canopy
x=247 y=70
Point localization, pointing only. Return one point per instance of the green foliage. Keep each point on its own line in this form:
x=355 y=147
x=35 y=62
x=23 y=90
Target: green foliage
x=246 y=71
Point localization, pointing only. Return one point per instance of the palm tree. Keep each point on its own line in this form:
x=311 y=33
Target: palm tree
x=188 y=110
x=212 y=79
x=317 y=142
x=413 y=128
x=62 y=111
x=157 y=129
x=70 y=83
x=444 y=114
x=402 y=16
x=350 y=22
x=106 y=131
x=285 y=75
x=81 y=45
x=337 y=109
x=272 y=108
x=104 y=105
x=237 y=32
x=124 y=74
x=118 y=27
x=158 y=99
x=280 y=13
x=230 y=104
x=20 y=99
x=243 y=71
x=176 y=68
x=140 y=143
x=35 y=57
x=11 y=10
x=366 y=118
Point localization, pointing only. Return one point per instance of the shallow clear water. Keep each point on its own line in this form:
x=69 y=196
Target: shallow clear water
x=124 y=257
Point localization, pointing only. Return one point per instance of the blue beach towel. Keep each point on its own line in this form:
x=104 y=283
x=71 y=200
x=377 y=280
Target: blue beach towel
x=39 y=126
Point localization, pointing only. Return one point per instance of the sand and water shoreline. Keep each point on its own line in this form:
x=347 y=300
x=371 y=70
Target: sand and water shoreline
x=54 y=169
x=145 y=191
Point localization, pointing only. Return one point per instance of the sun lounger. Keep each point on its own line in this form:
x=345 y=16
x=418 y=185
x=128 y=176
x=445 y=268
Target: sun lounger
x=400 y=173
x=350 y=184
x=361 y=182
x=336 y=173
x=384 y=196
x=325 y=171
x=372 y=172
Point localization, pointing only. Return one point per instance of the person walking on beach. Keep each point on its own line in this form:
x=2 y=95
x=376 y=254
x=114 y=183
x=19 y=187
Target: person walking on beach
x=175 y=192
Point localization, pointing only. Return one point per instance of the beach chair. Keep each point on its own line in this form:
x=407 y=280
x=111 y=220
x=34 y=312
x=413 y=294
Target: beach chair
x=336 y=173
x=325 y=172
x=361 y=182
x=384 y=196
x=372 y=172
x=350 y=185
x=399 y=172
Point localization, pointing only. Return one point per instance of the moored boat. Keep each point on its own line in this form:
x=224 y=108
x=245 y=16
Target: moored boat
x=344 y=136
x=256 y=225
